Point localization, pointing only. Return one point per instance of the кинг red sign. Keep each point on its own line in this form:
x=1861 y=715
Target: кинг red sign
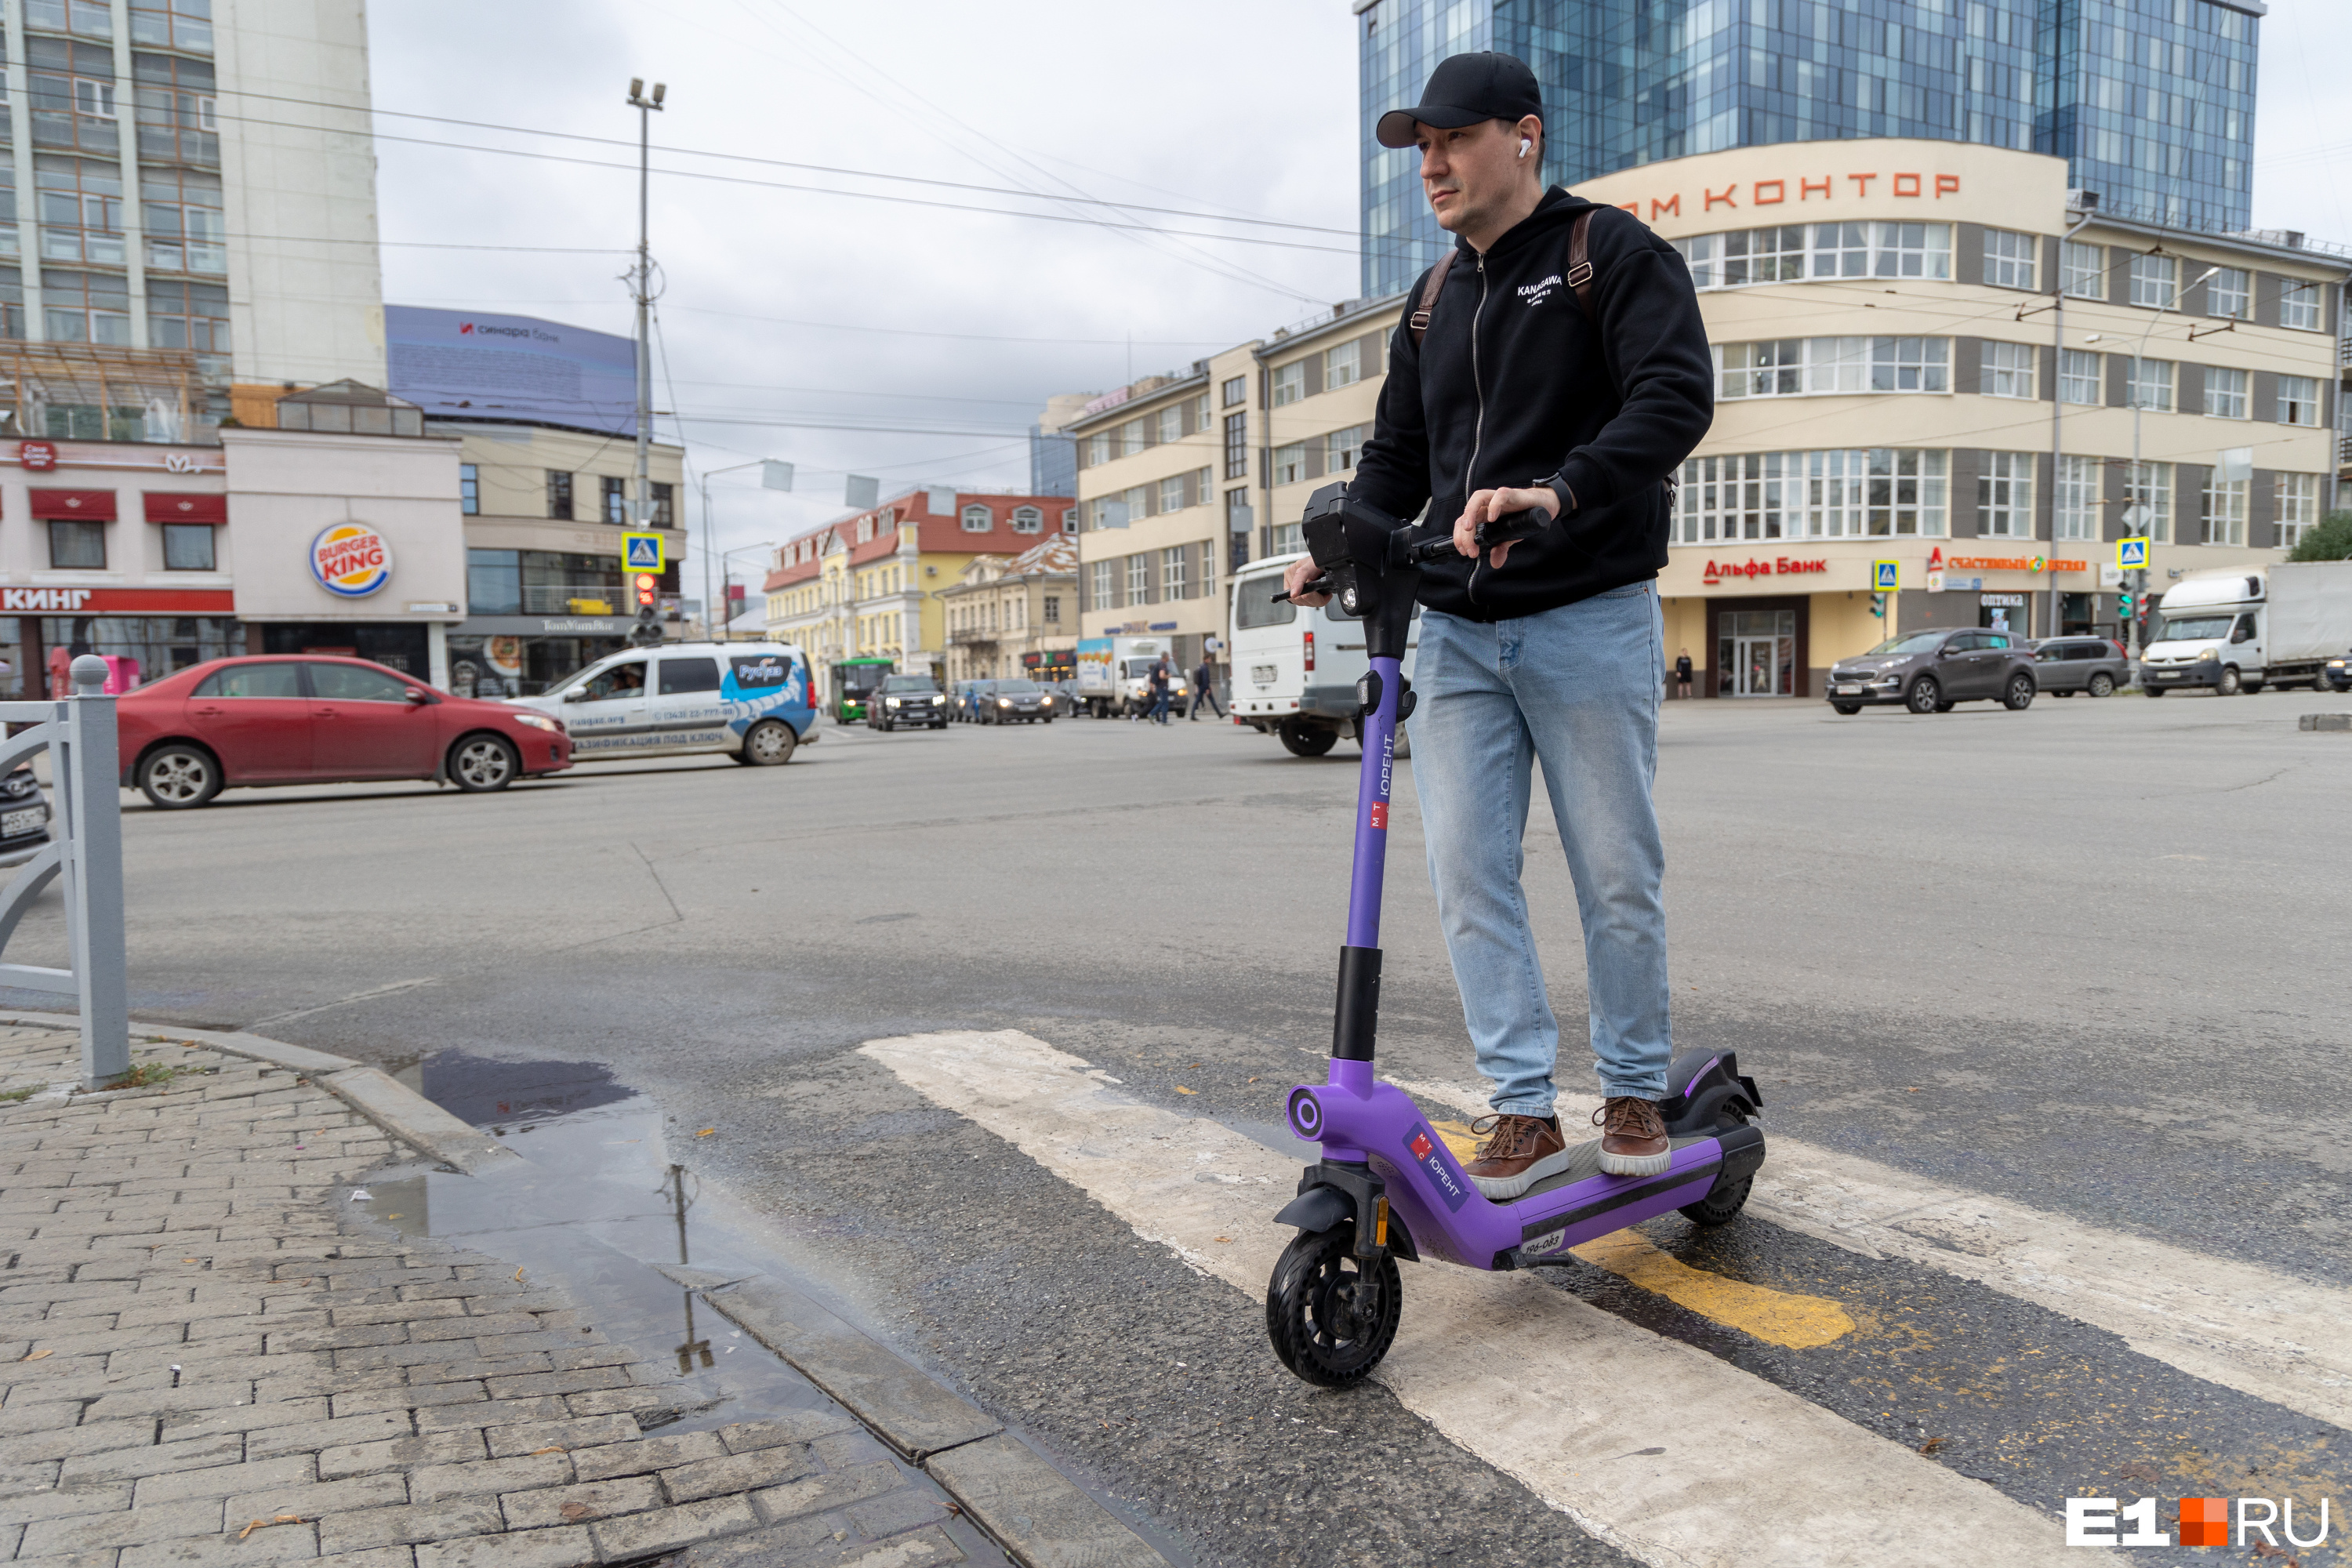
x=118 y=601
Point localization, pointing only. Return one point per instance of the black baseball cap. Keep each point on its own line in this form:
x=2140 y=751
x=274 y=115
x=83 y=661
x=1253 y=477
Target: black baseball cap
x=1462 y=91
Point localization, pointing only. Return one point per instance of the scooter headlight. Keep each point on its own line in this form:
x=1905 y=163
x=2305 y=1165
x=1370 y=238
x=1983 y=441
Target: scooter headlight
x=1305 y=1114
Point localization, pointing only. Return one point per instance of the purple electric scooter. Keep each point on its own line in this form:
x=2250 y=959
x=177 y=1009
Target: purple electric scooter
x=1387 y=1186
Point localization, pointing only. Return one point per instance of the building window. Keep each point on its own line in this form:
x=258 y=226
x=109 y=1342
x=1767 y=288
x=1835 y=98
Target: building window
x=1172 y=562
x=2084 y=269
x=493 y=582
x=1028 y=520
x=2225 y=392
x=1098 y=449
x=2227 y=293
x=2077 y=511
x=1069 y=520
x=665 y=512
x=470 y=489
x=1290 y=383
x=1790 y=367
x=1102 y=589
x=87 y=307
x=1170 y=423
x=188 y=316
x=77 y=546
x=173 y=104
x=1234 y=390
x=1852 y=493
x=1344 y=365
x=2153 y=280
x=72 y=90
x=558 y=494
x=2152 y=488
x=978 y=520
x=2005 y=495
x=1138 y=578
x=1236 y=445
x=612 y=498
x=2151 y=385
x=2009 y=258
x=1054 y=608
x=1171 y=494
x=2223 y=518
x=2079 y=372
x=188 y=547
x=2298 y=400
x=2298 y=507
x=2009 y=370
x=1343 y=447
x=1131 y=437
x=2299 y=305
x=1791 y=253
x=80 y=209
x=186 y=230
x=172 y=24
x=1290 y=463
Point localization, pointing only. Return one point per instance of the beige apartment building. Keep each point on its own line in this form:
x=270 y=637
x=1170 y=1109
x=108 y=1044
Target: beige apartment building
x=1182 y=479
x=1015 y=617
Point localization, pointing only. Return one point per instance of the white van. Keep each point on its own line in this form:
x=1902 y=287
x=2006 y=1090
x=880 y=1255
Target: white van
x=751 y=700
x=1295 y=670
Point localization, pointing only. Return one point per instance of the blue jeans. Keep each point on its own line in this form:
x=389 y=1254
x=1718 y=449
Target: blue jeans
x=1159 y=706
x=1577 y=688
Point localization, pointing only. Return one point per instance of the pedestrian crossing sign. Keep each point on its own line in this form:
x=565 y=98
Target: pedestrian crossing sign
x=2131 y=554
x=1885 y=577
x=641 y=552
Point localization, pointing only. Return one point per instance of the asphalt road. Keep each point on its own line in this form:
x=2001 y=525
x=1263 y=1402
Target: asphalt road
x=2086 y=958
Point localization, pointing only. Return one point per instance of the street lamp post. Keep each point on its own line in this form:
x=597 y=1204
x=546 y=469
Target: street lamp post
x=724 y=576
x=643 y=280
x=773 y=476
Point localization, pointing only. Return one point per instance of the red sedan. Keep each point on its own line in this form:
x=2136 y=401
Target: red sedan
x=288 y=720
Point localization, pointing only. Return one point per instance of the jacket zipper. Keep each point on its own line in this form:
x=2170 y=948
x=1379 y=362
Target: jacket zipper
x=1478 y=430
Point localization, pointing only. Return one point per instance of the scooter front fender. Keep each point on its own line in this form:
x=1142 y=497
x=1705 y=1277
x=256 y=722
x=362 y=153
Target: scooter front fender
x=1317 y=1210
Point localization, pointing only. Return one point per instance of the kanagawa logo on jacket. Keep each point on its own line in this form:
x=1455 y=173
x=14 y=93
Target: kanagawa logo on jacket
x=1536 y=293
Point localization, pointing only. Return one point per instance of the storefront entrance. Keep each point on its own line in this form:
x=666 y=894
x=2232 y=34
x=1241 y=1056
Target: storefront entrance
x=1756 y=653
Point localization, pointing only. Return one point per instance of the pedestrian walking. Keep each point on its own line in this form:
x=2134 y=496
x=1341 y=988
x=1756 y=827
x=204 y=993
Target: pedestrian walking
x=1205 y=690
x=1550 y=647
x=1160 y=685
x=1683 y=673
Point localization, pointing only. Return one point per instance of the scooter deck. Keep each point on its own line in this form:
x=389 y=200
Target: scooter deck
x=1583 y=1164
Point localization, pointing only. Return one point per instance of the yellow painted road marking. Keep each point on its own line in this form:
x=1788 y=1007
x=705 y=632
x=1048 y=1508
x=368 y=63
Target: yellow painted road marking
x=1775 y=1317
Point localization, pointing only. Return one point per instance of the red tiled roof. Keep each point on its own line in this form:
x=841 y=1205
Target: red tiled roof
x=935 y=533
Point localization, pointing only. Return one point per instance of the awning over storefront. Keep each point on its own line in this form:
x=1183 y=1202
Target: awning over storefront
x=184 y=508
x=90 y=506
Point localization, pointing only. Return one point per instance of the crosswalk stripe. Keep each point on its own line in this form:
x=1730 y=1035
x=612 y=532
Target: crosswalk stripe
x=2237 y=1324
x=1676 y=1458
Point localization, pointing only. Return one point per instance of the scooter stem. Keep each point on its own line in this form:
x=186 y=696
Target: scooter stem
x=1357 y=1012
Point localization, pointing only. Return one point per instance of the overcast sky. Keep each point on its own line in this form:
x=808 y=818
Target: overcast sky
x=911 y=341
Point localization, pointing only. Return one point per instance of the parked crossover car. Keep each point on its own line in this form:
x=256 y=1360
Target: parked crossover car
x=1927 y=672
x=288 y=719
x=2064 y=665
x=1020 y=700
x=23 y=816
x=908 y=699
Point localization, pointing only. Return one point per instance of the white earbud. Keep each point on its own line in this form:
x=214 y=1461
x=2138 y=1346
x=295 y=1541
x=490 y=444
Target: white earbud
x=1524 y=146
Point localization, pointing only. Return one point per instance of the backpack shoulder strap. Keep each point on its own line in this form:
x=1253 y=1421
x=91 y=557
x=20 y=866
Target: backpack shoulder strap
x=1436 y=285
x=1579 y=265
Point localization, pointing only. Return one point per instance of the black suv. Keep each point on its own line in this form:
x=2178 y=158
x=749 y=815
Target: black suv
x=1927 y=672
x=907 y=699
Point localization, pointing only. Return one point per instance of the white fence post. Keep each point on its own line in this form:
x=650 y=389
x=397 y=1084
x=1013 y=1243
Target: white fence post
x=86 y=771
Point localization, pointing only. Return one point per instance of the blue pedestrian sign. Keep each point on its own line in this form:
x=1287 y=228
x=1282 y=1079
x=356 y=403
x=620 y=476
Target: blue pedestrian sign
x=2131 y=554
x=1885 y=577
x=641 y=552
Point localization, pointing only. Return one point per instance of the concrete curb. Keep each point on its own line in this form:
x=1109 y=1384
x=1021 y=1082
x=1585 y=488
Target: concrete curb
x=1037 y=1514
x=2325 y=721
x=385 y=1100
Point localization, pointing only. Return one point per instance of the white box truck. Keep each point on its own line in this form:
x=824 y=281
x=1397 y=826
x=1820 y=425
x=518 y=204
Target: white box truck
x=1114 y=675
x=2242 y=629
x=1295 y=670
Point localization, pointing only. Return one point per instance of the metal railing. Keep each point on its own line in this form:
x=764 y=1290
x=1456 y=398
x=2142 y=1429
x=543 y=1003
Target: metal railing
x=85 y=847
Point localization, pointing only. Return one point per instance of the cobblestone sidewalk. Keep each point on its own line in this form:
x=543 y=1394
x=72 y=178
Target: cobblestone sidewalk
x=202 y=1362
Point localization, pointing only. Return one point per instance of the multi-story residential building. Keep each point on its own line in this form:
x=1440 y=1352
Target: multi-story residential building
x=2151 y=104
x=1015 y=617
x=867 y=584
x=1996 y=355
x=1176 y=471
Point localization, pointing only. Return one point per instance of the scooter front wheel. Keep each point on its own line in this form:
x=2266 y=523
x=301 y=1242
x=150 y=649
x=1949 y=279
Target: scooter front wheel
x=1330 y=1314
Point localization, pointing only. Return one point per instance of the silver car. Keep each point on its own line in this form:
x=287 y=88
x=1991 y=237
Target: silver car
x=2064 y=665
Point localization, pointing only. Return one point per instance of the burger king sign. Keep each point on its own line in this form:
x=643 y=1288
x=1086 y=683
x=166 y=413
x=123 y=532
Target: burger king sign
x=350 y=560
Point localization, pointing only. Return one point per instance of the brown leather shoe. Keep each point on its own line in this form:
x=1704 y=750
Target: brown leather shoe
x=1633 y=1140
x=1517 y=1153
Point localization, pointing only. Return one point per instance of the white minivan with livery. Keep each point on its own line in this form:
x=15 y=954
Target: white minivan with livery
x=751 y=700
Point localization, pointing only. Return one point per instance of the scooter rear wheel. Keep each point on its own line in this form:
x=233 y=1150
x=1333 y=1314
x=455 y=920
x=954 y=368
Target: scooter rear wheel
x=1330 y=1314
x=1721 y=1205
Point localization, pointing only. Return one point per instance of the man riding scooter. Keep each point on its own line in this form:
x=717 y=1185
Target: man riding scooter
x=1553 y=366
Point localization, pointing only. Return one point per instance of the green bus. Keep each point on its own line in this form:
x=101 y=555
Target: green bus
x=854 y=680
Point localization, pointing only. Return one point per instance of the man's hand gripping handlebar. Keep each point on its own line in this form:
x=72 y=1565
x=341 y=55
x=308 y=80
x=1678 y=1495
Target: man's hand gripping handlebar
x=1307 y=583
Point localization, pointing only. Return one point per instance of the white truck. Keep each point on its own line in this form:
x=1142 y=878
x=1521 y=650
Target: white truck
x=2242 y=629
x=1114 y=675
x=1295 y=670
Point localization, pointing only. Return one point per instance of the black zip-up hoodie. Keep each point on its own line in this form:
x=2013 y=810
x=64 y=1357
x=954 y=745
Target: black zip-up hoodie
x=1513 y=385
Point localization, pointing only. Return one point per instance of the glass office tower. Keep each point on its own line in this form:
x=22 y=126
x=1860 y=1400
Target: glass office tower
x=2150 y=101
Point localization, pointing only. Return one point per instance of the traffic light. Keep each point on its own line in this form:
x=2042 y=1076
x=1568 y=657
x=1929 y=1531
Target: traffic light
x=2124 y=605
x=648 y=631
x=647 y=584
x=1878 y=606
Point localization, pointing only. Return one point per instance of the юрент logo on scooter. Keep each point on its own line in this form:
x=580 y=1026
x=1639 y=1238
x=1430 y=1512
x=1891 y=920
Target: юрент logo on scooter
x=1423 y=1149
